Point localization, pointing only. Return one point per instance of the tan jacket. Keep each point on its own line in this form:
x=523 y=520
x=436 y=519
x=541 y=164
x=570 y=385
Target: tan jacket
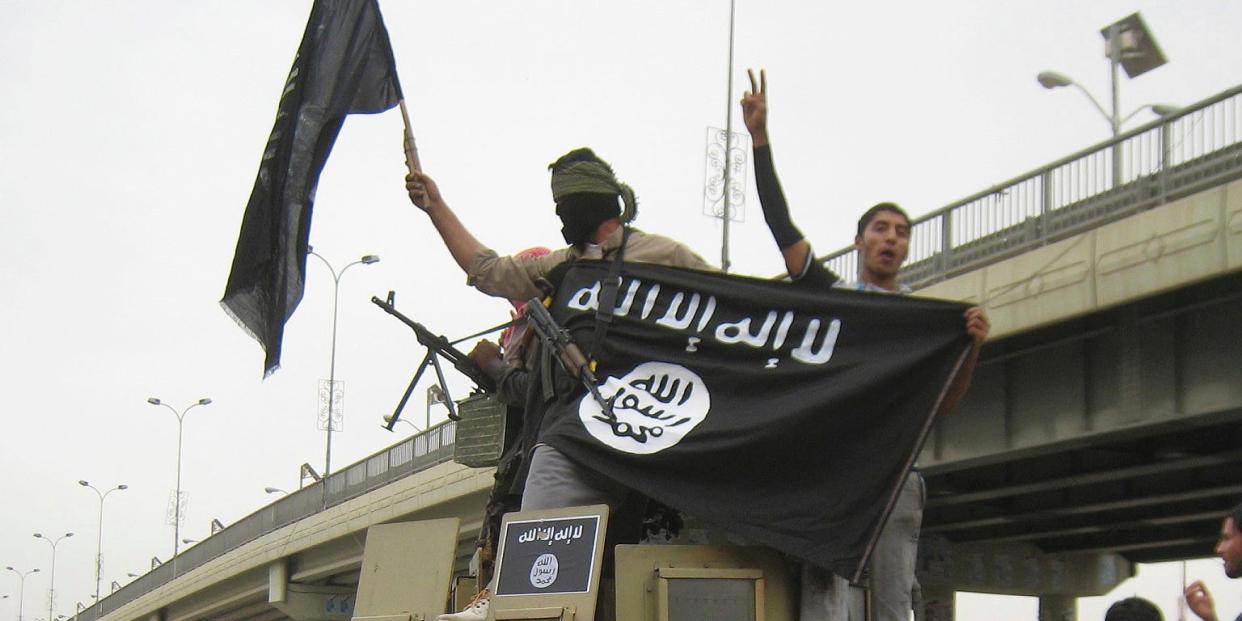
x=514 y=278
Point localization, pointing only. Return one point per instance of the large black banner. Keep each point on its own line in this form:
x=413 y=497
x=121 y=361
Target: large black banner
x=344 y=66
x=785 y=413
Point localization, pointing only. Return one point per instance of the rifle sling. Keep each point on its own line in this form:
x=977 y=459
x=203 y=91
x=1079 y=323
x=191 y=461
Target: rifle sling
x=608 y=298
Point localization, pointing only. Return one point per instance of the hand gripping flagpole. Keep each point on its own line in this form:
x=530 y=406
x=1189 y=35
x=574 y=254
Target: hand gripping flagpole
x=411 y=149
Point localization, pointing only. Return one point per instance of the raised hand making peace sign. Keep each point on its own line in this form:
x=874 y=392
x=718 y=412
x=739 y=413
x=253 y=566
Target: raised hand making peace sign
x=755 y=108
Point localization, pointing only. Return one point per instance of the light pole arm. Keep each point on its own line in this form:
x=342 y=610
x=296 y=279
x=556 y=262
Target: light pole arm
x=1115 y=123
x=342 y=274
x=173 y=410
x=335 y=277
x=1160 y=110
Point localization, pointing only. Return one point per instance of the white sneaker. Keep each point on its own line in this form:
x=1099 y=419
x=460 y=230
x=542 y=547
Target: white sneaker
x=476 y=610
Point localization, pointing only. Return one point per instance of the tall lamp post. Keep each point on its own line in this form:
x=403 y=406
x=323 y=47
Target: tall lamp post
x=51 y=587
x=99 y=537
x=177 y=500
x=336 y=293
x=1130 y=46
x=21 y=595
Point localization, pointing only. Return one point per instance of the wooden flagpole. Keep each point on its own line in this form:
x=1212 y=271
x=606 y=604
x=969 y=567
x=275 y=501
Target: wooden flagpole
x=411 y=149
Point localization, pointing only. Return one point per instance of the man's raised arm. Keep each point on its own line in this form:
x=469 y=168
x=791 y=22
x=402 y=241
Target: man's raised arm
x=426 y=196
x=794 y=248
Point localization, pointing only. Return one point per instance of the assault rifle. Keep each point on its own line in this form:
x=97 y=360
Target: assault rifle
x=567 y=351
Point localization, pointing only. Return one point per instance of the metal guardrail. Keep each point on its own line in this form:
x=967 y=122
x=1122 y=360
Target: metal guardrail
x=1182 y=154
x=414 y=454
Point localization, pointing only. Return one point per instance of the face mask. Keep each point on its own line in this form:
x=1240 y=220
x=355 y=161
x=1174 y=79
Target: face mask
x=576 y=232
x=582 y=214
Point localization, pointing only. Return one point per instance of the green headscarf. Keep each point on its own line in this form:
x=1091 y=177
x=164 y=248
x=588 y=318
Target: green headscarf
x=581 y=170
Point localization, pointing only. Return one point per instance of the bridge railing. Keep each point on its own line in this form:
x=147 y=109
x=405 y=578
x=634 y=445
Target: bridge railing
x=1195 y=149
x=416 y=453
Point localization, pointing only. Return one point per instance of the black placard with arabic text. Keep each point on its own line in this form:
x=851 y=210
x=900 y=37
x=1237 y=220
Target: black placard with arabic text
x=548 y=556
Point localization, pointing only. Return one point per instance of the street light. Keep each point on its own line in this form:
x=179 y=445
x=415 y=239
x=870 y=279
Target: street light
x=177 y=500
x=1052 y=79
x=275 y=490
x=51 y=587
x=336 y=292
x=1127 y=45
x=99 y=538
x=388 y=420
x=306 y=471
x=21 y=595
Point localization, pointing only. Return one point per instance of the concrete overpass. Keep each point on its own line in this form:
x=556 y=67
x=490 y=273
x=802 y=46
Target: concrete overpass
x=1103 y=427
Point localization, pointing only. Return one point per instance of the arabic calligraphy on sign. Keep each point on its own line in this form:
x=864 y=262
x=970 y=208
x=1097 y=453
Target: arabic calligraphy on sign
x=543 y=572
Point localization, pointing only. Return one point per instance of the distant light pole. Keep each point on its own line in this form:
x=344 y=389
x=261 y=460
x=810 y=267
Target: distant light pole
x=336 y=292
x=51 y=588
x=388 y=419
x=435 y=395
x=1127 y=45
x=21 y=595
x=177 y=500
x=306 y=471
x=99 y=537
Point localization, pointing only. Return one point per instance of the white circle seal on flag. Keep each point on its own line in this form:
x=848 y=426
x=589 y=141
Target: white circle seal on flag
x=543 y=573
x=653 y=407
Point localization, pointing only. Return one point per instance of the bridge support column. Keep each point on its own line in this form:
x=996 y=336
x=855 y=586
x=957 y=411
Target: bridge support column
x=1009 y=568
x=937 y=604
x=1058 y=608
x=304 y=602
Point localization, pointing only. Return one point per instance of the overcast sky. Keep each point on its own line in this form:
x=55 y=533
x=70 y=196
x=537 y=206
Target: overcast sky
x=131 y=134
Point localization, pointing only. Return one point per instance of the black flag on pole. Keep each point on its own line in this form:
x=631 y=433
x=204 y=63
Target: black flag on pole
x=343 y=66
x=784 y=413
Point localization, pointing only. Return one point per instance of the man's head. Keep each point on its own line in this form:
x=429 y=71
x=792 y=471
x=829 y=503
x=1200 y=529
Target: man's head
x=586 y=193
x=882 y=241
x=1229 y=546
x=1133 y=609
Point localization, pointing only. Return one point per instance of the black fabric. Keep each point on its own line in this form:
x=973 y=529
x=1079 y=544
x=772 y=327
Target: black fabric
x=582 y=212
x=812 y=403
x=772 y=200
x=343 y=66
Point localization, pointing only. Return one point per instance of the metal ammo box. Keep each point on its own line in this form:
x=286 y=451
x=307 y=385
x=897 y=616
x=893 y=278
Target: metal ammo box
x=480 y=432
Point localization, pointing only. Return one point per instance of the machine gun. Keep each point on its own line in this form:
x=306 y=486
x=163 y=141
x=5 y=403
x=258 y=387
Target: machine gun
x=437 y=347
x=567 y=351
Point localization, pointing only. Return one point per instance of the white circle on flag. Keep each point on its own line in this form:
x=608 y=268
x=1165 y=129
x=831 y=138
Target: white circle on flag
x=543 y=572
x=654 y=406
